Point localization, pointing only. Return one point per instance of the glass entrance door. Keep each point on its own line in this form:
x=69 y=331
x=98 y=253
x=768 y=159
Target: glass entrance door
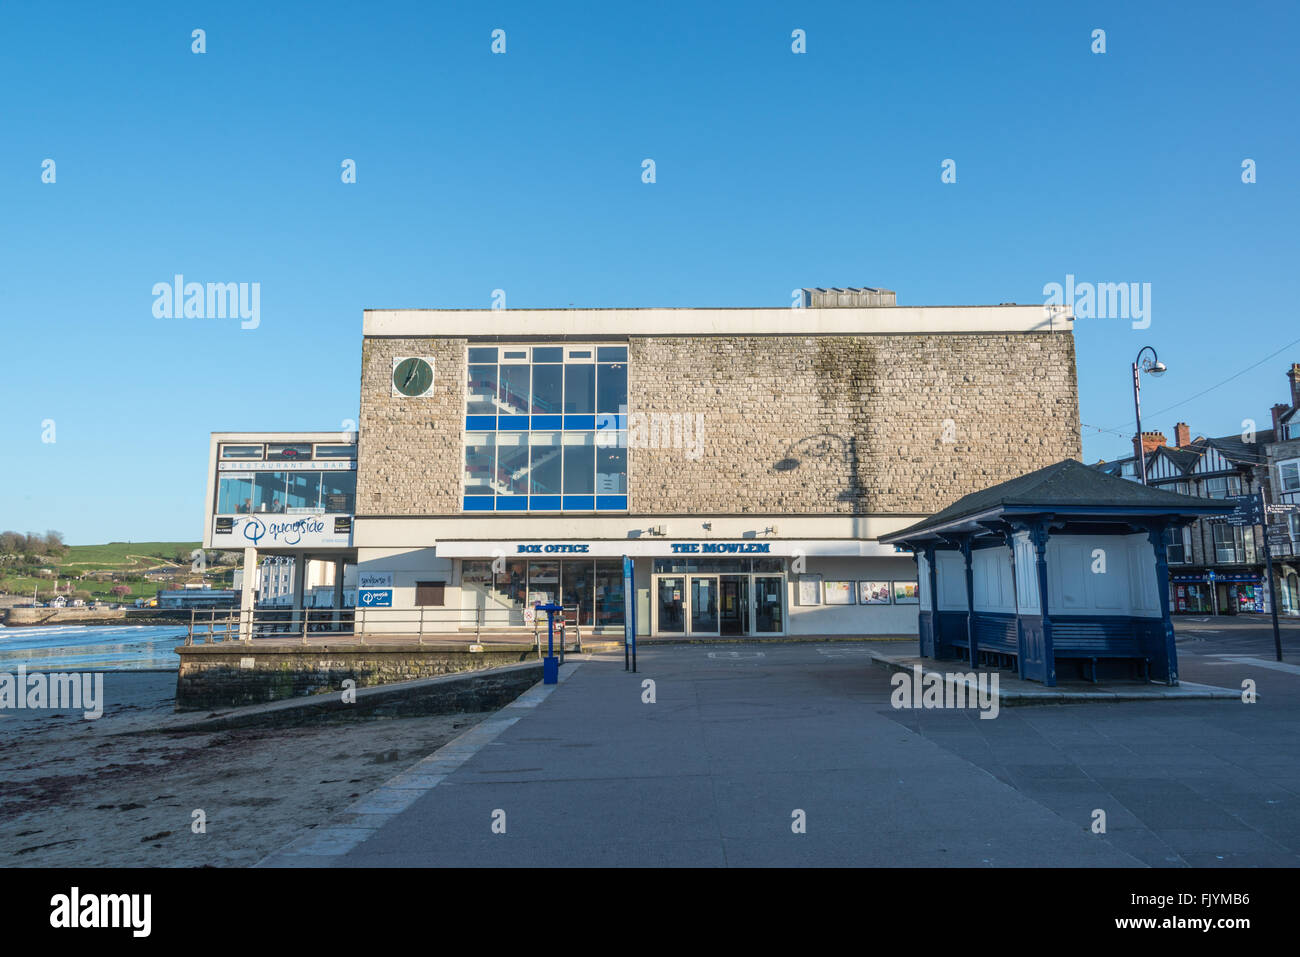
x=769 y=617
x=704 y=604
x=733 y=605
x=669 y=605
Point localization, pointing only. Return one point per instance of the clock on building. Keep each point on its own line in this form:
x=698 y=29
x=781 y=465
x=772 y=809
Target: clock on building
x=412 y=376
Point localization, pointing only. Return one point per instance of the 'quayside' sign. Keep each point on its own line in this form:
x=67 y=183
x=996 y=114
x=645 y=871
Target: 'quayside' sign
x=269 y=531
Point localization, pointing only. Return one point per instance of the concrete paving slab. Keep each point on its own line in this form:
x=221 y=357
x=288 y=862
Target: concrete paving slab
x=710 y=774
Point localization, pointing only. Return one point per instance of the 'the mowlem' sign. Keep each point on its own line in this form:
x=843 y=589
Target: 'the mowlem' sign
x=722 y=547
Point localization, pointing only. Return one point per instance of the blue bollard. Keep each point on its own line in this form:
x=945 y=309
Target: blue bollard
x=550 y=664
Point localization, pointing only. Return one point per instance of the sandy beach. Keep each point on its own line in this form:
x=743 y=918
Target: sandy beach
x=81 y=793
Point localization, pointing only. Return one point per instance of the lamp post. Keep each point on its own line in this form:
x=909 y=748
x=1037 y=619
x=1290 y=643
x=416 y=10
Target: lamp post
x=1152 y=366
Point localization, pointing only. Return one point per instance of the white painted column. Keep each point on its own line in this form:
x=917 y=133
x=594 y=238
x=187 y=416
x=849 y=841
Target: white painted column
x=339 y=565
x=299 y=588
x=246 y=595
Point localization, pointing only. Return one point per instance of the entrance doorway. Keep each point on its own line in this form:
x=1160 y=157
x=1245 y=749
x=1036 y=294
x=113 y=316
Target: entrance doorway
x=722 y=604
x=733 y=602
x=670 y=603
x=704 y=604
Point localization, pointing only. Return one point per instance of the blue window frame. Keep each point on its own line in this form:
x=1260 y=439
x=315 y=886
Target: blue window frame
x=546 y=428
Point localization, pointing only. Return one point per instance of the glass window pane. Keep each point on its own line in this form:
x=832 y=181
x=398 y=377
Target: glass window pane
x=480 y=454
x=483 y=354
x=481 y=391
x=234 y=494
x=1290 y=472
x=544 y=470
x=241 y=451
x=339 y=491
x=548 y=354
x=475 y=572
x=576 y=590
x=611 y=392
x=509 y=592
x=543 y=583
x=288 y=452
x=609 y=594
x=512 y=463
x=304 y=491
x=579 y=463
x=336 y=451
x=268 y=491
x=548 y=385
x=579 y=389
x=513 y=390
x=611 y=354
x=611 y=471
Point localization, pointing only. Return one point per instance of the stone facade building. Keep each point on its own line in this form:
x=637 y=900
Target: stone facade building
x=745 y=461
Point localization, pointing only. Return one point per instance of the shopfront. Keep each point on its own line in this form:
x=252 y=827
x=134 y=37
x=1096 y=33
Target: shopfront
x=1190 y=594
x=1215 y=593
x=731 y=597
x=1239 y=594
x=708 y=589
x=591 y=588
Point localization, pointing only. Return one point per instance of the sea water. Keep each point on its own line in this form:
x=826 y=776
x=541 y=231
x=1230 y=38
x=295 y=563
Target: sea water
x=87 y=647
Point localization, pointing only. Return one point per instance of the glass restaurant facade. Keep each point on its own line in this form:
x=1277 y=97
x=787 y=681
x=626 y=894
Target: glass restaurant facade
x=744 y=460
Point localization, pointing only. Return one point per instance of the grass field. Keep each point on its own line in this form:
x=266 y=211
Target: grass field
x=123 y=556
x=133 y=558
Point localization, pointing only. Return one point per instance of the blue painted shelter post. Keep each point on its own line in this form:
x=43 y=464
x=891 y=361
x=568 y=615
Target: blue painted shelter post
x=1164 y=660
x=964 y=543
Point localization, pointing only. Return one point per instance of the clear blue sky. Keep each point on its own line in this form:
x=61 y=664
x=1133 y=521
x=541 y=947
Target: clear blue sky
x=523 y=172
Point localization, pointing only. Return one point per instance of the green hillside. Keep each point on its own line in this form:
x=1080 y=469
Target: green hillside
x=92 y=571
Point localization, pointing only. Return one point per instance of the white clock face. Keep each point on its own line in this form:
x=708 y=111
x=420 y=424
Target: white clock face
x=412 y=376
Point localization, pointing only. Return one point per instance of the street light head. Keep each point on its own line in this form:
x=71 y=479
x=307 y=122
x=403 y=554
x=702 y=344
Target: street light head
x=1157 y=369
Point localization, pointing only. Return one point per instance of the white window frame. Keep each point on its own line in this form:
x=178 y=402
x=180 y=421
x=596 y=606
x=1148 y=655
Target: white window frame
x=1281 y=476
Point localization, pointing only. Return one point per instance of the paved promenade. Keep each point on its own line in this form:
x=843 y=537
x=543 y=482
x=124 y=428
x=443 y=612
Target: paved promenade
x=741 y=737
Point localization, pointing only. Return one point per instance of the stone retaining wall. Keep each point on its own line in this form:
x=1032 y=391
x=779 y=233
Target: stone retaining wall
x=226 y=675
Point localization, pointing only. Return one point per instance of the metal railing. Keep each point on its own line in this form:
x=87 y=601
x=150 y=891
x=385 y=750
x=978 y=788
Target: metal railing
x=213 y=625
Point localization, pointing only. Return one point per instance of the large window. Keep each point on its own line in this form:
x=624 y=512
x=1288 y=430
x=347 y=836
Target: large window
x=297 y=491
x=594 y=589
x=235 y=494
x=338 y=492
x=1289 y=475
x=545 y=428
x=1176 y=546
x=1222 y=487
x=1233 y=546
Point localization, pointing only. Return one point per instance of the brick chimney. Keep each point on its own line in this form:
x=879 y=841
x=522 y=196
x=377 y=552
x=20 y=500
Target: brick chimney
x=1294 y=376
x=1150 y=442
x=1182 y=435
x=1278 y=411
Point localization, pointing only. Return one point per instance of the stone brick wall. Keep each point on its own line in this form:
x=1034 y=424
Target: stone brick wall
x=410 y=451
x=791 y=424
x=839 y=424
x=212 y=676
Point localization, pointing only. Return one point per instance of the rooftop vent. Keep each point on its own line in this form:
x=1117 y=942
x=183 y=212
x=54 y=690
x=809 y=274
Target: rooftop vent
x=848 y=297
